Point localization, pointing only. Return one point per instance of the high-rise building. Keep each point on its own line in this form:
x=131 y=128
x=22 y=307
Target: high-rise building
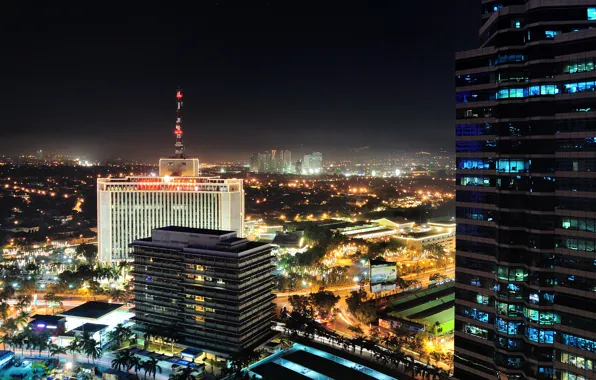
x=213 y=289
x=287 y=161
x=130 y=208
x=526 y=200
x=312 y=163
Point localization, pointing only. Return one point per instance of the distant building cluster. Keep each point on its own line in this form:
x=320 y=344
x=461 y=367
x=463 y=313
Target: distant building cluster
x=272 y=161
x=312 y=163
x=280 y=162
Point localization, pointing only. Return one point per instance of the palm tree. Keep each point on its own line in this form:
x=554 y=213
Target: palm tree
x=53 y=301
x=150 y=366
x=54 y=350
x=90 y=346
x=4 y=307
x=183 y=373
x=43 y=341
x=29 y=340
x=22 y=319
x=119 y=334
x=135 y=364
x=23 y=302
x=118 y=295
x=7 y=339
x=94 y=350
x=19 y=342
x=124 y=267
x=122 y=360
x=74 y=346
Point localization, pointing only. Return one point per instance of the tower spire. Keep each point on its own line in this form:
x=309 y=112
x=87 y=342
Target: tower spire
x=179 y=145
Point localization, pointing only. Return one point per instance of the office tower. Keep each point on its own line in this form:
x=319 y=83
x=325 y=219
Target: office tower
x=209 y=287
x=129 y=208
x=526 y=200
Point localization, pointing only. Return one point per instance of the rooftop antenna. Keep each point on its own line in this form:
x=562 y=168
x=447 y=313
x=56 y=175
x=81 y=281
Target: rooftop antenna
x=179 y=144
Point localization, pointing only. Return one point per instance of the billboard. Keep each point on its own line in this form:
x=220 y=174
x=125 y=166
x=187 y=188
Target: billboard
x=382 y=276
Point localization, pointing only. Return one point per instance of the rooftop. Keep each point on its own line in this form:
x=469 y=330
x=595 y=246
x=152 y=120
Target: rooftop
x=46 y=318
x=91 y=328
x=92 y=310
x=425 y=234
x=203 y=231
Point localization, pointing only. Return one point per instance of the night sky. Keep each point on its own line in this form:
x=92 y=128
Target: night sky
x=101 y=82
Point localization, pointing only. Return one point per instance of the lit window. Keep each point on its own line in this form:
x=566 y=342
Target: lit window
x=591 y=13
x=551 y=33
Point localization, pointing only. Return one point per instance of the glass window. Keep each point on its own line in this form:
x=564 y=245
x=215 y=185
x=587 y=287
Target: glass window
x=591 y=13
x=551 y=33
x=549 y=89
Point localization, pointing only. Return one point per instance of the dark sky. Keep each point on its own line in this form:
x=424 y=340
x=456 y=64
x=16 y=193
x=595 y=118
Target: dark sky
x=290 y=75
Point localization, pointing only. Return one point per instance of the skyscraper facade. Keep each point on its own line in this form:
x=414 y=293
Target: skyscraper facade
x=130 y=208
x=526 y=196
x=210 y=288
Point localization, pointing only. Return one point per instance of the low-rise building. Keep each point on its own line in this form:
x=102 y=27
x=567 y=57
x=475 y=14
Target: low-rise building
x=55 y=325
x=94 y=317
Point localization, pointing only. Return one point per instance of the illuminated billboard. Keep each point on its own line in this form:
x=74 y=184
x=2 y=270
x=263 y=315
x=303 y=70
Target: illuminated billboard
x=382 y=276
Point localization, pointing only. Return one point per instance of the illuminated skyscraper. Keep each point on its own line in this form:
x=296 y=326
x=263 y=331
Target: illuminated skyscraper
x=526 y=200
x=130 y=208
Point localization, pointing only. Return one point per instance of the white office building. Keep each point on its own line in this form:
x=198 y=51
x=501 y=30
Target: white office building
x=130 y=208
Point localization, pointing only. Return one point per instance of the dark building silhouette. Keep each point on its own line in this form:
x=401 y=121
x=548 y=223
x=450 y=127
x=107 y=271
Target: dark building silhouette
x=208 y=289
x=526 y=193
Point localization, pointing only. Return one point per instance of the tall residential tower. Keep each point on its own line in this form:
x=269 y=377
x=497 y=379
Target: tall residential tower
x=526 y=193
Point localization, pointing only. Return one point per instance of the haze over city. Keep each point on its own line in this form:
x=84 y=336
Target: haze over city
x=323 y=78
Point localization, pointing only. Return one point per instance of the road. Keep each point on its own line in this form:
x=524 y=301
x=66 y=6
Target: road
x=345 y=320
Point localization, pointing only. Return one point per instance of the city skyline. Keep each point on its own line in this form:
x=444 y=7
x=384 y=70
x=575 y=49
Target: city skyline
x=339 y=85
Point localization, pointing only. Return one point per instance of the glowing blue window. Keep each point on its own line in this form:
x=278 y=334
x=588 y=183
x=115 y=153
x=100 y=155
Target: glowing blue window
x=512 y=165
x=518 y=24
x=516 y=93
x=549 y=89
x=591 y=13
x=534 y=91
x=551 y=33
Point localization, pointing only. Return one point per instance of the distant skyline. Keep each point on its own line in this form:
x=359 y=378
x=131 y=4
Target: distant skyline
x=325 y=78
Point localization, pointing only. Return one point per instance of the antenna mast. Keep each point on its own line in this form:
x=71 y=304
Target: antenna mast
x=179 y=145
